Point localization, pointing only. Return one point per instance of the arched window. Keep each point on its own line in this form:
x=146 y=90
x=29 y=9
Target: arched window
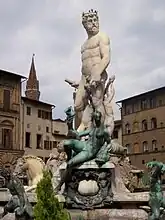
x=144 y=125
x=145 y=146
x=135 y=126
x=153 y=123
x=136 y=148
x=154 y=147
x=128 y=146
x=127 y=128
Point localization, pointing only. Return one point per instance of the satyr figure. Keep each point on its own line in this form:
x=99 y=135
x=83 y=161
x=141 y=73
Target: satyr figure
x=95 y=56
x=156 y=198
x=18 y=203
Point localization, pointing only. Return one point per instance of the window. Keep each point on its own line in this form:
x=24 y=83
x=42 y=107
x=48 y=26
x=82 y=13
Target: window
x=135 y=126
x=39 y=113
x=128 y=146
x=47 y=129
x=145 y=146
x=128 y=110
x=135 y=107
x=154 y=147
x=144 y=125
x=161 y=124
x=46 y=145
x=28 y=125
x=27 y=140
x=6 y=100
x=127 y=128
x=143 y=161
x=7 y=138
x=28 y=110
x=39 y=141
x=144 y=104
x=152 y=103
x=136 y=148
x=46 y=115
x=51 y=145
x=153 y=123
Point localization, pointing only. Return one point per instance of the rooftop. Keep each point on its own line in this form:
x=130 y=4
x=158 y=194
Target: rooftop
x=37 y=102
x=3 y=72
x=142 y=94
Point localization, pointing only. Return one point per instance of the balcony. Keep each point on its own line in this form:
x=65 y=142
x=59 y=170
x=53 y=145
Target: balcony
x=13 y=108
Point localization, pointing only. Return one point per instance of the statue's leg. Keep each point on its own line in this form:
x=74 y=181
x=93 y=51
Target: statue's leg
x=73 y=145
x=80 y=104
x=80 y=96
x=77 y=146
x=80 y=158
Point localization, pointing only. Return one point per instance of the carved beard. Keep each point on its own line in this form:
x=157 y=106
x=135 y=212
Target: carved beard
x=91 y=29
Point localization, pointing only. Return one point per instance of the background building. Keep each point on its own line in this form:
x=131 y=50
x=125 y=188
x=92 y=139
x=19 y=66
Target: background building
x=10 y=102
x=39 y=132
x=117 y=133
x=60 y=130
x=143 y=126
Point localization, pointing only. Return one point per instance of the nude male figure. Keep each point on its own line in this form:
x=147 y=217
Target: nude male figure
x=95 y=56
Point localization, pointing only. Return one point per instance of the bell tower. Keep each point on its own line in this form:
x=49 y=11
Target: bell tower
x=32 y=86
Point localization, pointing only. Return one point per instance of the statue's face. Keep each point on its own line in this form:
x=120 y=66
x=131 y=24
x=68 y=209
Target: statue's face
x=92 y=25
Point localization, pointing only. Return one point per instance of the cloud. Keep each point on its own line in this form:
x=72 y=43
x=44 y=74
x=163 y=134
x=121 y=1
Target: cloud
x=53 y=31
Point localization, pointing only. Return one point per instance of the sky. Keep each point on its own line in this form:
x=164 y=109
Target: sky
x=52 y=30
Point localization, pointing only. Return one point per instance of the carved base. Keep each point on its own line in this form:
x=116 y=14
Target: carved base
x=89 y=187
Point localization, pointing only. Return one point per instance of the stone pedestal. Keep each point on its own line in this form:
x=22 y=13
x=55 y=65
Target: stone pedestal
x=89 y=186
x=109 y=214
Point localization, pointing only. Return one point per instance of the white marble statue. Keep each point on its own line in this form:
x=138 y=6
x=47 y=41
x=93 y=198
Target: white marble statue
x=95 y=56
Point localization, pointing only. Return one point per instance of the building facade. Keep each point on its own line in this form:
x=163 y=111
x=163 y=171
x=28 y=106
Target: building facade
x=10 y=102
x=37 y=138
x=143 y=127
x=39 y=132
x=60 y=130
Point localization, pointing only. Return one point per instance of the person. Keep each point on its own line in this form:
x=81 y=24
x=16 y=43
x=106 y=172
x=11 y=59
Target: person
x=95 y=56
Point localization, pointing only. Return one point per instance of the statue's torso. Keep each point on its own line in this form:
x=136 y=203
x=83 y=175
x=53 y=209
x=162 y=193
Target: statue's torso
x=91 y=55
x=96 y=139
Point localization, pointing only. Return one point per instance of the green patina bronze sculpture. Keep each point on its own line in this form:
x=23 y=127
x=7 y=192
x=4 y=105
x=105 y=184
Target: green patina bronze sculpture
x=156 y=199
x=79 y=151
x=18 y=202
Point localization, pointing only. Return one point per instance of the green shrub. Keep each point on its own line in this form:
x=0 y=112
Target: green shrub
x=48 y=206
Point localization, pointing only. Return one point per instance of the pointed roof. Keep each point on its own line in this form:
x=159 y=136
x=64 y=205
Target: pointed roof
x=32 y=73
x=32 y=85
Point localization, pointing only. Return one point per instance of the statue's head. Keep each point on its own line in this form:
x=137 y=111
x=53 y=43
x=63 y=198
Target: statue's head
x=90 y=21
